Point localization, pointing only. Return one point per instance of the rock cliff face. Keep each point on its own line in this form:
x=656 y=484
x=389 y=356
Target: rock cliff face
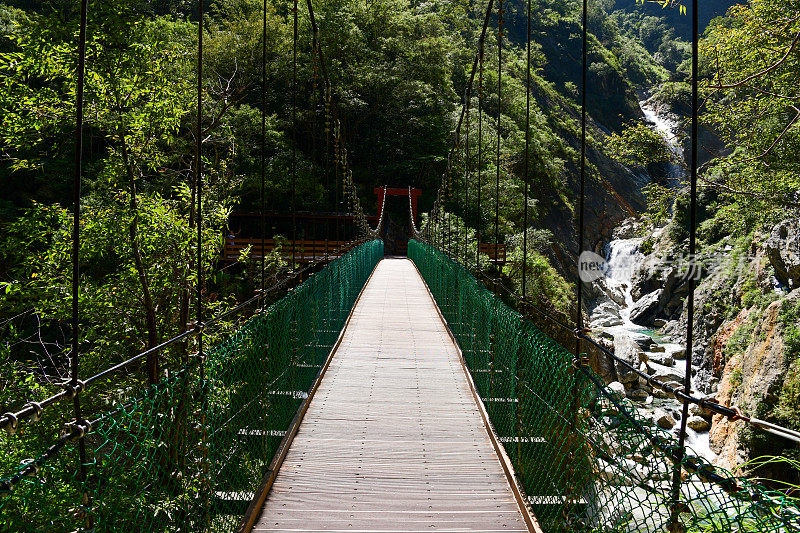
x=783 y=249
x=756 y=381
x=747 y=334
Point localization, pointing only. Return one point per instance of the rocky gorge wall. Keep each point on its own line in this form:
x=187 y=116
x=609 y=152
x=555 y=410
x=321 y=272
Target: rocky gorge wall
x=746 y=336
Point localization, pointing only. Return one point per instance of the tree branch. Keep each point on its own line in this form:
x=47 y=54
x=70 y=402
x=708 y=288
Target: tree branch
x=760 y=73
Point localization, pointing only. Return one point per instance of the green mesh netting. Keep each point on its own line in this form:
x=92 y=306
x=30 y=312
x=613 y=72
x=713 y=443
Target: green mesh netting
x=189 y=453
x=584 y=457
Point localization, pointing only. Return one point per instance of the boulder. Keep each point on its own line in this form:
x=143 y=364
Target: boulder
x=658 y=348
x=626 y=376
x=698 y=423
x=696 y=410
x=659 y=322
x=615 y=387
x=606 y=322
x=658 y=393
x=646 y=309
x=643 y=368
x=630 y=228
x=783 y=250
x=629 y=351
x=667 y=375
x=605 y=315
x=662 y=359
x=663 y=419
x=614 y=293
x=638 y=395
x=645 y=342
x=645 y=278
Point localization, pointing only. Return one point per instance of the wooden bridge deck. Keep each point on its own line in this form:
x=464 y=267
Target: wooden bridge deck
x=393 y=439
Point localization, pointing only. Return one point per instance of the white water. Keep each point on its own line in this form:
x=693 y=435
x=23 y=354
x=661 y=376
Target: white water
x=668 y=127
x=623 y=257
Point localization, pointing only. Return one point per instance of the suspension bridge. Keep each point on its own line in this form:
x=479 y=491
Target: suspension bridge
x=374 y=395
x=381 y=394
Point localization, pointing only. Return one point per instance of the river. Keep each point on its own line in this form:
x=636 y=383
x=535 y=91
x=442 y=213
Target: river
x=624 y=257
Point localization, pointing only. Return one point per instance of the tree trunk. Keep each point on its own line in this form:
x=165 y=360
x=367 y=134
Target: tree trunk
x=133 y=231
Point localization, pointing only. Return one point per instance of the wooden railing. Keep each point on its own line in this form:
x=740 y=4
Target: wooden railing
x=496 y=252
x=305 y=251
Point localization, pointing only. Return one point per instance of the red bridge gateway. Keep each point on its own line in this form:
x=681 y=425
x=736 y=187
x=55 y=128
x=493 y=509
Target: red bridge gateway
x=321 y=235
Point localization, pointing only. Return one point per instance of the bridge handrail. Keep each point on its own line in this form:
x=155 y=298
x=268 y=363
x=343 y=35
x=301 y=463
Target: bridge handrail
x=32 y=410
x=549 y=407
x=211 y=413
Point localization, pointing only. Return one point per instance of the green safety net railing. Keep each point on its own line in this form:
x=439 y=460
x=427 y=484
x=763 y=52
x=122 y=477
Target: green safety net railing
x=190 y=453
x=585 y=458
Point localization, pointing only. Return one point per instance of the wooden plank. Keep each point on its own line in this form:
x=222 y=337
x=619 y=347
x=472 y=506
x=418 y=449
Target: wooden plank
x=253 y=510
x=393 y=439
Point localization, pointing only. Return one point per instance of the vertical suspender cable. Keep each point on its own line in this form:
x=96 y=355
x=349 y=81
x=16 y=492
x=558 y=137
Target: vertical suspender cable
x=466 y=182
x=76 y=241
x=336 y=156
x=448 y=191
x=457 y=182
x=199 y=297
x=480 y=159
x=527 y=152
x=328 y=126
x=687 y=384
x=263 y=138
x=314 y=126
x=448 y=186
x=331 y=125
x=294 y=135
x=477 y=66
x=499 y=115
x=199 y=180
x=581 y=209
x=453 y=190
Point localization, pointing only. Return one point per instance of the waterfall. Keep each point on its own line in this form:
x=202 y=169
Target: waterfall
x=668 y=127
x=623 y=259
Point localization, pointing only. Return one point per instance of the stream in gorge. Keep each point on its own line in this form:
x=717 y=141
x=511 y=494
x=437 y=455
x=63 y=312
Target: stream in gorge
x=610 y=315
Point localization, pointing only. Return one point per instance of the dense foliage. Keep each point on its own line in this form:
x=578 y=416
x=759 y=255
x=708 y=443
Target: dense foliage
x=398 y=70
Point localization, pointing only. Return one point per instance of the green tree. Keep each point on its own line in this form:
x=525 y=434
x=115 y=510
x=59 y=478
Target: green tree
x=752 y=89
x=137 y=208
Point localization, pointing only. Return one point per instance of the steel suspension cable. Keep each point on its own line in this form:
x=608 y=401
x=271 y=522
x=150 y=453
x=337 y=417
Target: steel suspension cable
x=527 y=152
x=263 y=140
x=294 y=134
x=449 y=189
x=500 y=12
x=338 y=196
x=480 y=159
x=340 y=151
x=465 y=205
x=199 y=181
x=582 y=194
x=457 y=207
x=733 y=413
x=434 y=218
x=75 y=384
x=200 y=282
x=687 y=382
x=33 y=410
x=674 y=391
x=71 y=390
